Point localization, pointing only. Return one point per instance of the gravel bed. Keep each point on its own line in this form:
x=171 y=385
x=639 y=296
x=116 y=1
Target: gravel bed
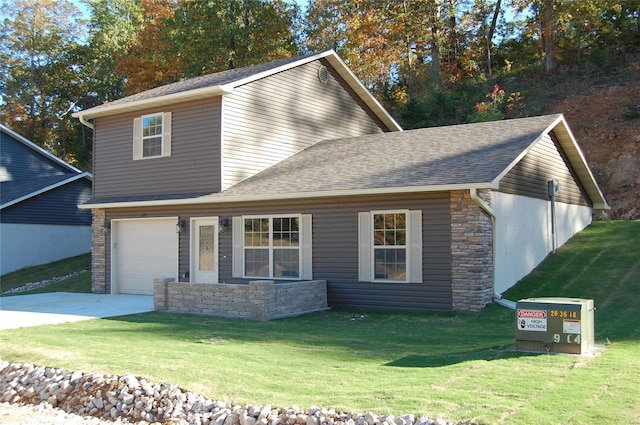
x=45 y=395
x=37 y=285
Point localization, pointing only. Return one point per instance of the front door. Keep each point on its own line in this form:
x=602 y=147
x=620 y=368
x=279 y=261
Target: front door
x=204 y=247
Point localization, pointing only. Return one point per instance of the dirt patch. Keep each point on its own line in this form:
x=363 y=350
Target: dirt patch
x=607 y=128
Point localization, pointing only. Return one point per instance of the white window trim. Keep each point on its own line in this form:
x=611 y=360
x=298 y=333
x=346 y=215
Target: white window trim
x=305 y=256
x=366 y=254
x=165 y=137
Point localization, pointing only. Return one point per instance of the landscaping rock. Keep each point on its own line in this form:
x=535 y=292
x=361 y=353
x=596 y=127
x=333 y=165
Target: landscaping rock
x=129 y=399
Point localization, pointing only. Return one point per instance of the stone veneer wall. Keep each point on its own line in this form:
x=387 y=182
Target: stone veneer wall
x=261 y=300
x=98 y=252
x=471 y=252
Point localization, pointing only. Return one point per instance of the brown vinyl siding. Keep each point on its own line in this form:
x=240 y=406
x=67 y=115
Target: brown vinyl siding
x=270 y=119
x=335 y=246
x=545 y=161
x=194 y=164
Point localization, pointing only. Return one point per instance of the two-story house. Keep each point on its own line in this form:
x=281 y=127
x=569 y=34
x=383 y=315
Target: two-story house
x=292 y=171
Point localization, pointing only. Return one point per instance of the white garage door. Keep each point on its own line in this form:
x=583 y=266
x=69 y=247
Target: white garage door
x=143 y=250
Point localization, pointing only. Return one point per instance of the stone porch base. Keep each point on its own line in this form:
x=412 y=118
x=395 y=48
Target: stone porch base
x=259 y=300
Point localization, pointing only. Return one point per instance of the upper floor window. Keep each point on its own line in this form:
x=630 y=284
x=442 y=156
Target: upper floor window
x=152 y=136
x=276 y=247
x=390 y=246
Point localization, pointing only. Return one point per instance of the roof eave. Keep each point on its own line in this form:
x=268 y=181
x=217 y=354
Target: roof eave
x=220 y=198
x=116 y=108
x=579 y=162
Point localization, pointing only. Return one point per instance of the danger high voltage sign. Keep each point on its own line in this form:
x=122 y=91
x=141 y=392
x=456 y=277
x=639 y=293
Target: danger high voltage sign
x=532 y=320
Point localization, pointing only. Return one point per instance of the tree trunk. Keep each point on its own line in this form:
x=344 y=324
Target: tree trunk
x=492 y=29
x=435 y=58
x=247 y=32
x=548 y=35
x=435 y=47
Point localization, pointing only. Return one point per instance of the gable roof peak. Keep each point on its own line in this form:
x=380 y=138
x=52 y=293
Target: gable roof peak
x=224 y=82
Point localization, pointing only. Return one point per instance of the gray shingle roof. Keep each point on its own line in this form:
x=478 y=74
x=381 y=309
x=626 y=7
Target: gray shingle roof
x=211 y=80
x=440 y=156
x=204 y=81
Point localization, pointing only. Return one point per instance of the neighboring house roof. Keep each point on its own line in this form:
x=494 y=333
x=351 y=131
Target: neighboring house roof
x=225 y=82
x=18 y=190
x=38 y=149
x=424 y=160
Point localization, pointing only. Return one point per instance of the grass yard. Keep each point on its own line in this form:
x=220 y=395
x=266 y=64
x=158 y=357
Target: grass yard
x=79 y=283
x=459 y=366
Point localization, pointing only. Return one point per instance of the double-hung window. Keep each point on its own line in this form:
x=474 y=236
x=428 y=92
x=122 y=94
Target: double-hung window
x=275 y=247
x=390 y=246
x=152 y=136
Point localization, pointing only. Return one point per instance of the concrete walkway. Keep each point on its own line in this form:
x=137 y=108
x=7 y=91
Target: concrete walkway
x=60 y=307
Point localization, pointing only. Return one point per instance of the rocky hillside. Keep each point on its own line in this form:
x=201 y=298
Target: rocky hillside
x=605 y=121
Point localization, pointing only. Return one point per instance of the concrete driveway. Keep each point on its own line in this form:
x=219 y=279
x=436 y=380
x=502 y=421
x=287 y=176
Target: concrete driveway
x=60 y=307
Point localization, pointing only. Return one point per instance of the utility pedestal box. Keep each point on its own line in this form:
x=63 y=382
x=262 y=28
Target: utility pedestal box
x=555 y=325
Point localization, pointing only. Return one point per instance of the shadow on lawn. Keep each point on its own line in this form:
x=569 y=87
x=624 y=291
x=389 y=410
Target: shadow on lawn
x=448 y=359
x=336 y=330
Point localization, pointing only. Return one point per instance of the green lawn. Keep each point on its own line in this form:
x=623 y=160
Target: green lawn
x=459 y=366
x=79 y=283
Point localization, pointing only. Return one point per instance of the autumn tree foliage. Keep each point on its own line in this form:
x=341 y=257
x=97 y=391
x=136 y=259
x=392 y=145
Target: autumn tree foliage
x=361 y=32
x=40 y=54
x=181 y=39
x=113 y=27
x=144 y=60
x=214 y=35
x=430 y=62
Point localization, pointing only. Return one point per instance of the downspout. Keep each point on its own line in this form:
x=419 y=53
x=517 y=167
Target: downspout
x=487 y=208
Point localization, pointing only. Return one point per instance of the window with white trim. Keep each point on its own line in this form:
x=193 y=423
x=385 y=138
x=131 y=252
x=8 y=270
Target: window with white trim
x=152 y=136
x=390 y=246
x=275 y=247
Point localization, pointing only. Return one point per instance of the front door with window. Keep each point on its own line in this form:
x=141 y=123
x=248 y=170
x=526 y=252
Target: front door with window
x=204 y=247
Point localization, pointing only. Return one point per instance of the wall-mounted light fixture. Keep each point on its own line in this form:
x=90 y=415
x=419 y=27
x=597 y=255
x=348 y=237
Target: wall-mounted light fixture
x=106 y=226
x=224 y=224
x=180 y=225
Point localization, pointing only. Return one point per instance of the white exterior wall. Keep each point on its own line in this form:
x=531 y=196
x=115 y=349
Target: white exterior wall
x=523 y=234
x=24 y=245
